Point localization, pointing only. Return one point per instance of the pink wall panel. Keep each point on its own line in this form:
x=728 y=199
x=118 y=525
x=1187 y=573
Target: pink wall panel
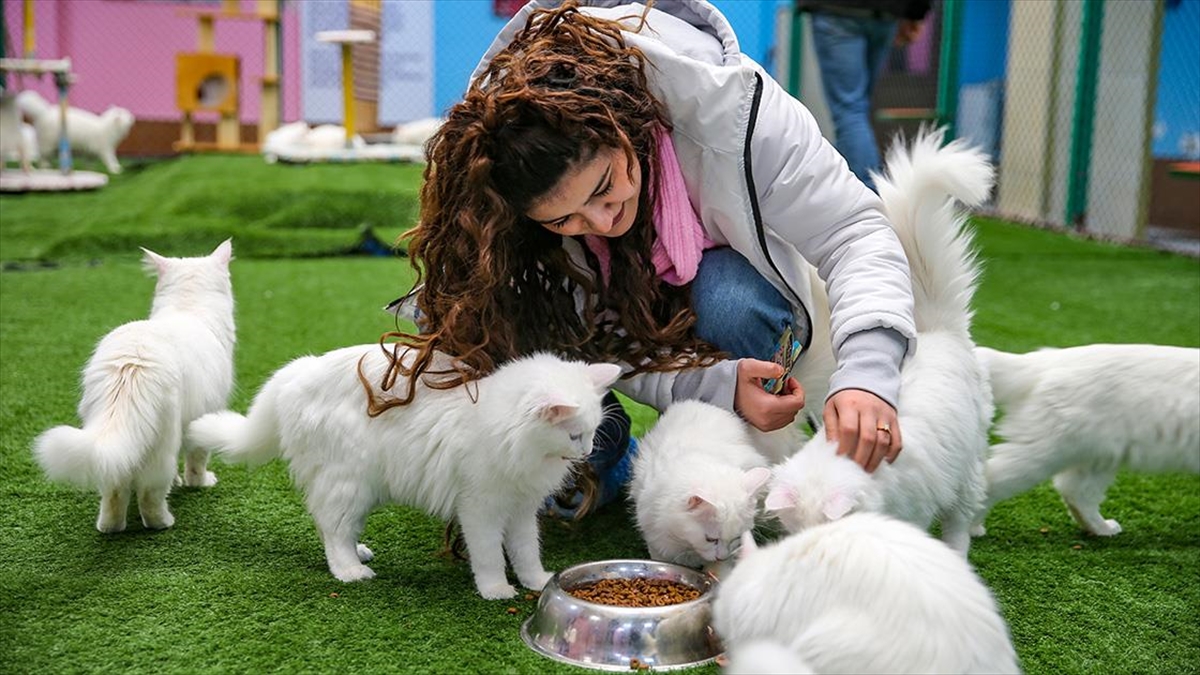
x=123 y=52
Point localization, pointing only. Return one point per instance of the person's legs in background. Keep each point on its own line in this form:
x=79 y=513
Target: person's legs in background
x=851 y=52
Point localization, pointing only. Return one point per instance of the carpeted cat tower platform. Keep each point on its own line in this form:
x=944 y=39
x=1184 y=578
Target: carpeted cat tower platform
x=46 y=180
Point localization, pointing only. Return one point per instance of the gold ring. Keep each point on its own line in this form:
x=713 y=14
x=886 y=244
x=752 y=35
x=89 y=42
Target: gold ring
x=884 y=427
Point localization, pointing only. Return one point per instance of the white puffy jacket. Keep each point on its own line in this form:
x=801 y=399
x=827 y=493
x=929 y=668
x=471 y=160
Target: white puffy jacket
x=765 y=182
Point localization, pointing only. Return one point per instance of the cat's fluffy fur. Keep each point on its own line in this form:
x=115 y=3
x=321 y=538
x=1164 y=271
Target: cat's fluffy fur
x=87 y=132
x=696 y=482
x=945 y=404
x=145 y=381
x=1081 y=413
x=488 y=453
x=864 y=594
x=14 y=140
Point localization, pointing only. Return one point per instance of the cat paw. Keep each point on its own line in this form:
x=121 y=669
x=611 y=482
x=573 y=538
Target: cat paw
x=110 y=526
x=206 y=479
x=355 y=573
x=536 y=581
x=497 y=591
x=978 y=530
x=1111 y=527
x=158 y=521
x=364 y=553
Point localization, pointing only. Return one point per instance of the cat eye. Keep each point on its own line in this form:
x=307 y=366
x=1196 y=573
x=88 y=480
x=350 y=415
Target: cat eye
x=577 y=437
x=711 y=540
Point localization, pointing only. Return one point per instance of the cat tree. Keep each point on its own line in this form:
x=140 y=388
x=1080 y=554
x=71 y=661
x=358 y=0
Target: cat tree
x=209 y=81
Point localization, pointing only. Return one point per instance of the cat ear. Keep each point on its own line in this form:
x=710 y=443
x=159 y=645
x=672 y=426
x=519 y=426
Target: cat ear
x=780 y=498
x=223 y=253
x=697 y=503
x=754 y=479
x=555 y=411
x=153 y=262
x=604 y=374
x=837 y=505
x=748 y=548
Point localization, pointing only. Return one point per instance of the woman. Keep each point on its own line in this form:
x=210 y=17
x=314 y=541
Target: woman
x=621 y=184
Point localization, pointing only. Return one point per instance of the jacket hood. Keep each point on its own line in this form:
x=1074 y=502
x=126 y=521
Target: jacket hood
x=697 y=13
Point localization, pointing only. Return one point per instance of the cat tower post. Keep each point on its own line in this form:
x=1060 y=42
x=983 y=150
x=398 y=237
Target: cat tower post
x=347 y=39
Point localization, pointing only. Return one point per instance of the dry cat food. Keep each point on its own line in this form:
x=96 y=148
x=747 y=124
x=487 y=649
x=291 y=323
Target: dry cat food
x=635 y=592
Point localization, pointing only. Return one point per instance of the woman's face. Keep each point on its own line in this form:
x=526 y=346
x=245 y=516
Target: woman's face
x=595 y=197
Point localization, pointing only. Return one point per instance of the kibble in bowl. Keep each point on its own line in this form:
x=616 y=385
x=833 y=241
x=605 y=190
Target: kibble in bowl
x=606 y=615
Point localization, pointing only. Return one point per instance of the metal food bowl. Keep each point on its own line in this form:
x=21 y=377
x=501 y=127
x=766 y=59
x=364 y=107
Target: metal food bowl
x=608 y=637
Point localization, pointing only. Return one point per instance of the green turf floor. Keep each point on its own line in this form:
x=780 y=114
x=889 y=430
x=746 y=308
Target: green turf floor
x=239 y=585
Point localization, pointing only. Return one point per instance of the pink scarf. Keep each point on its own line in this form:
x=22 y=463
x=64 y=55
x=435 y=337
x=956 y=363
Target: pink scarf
x=681 y=238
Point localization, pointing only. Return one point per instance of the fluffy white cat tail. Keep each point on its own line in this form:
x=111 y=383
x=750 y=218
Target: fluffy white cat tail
x=76 y=456
x=237 y=438
x=918 y=192
x=1012 y=378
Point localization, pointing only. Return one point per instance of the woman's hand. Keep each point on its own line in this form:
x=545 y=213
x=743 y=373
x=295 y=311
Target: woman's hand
x=865 y=426
x=762 y=409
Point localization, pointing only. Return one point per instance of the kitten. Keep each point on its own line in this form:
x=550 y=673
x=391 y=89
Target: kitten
x=145 y=381
x=865 y=594
x=87 y=132
x=487 y=454
x=945 y=404
x=695 y=484
x=13 y=140
x=1081 y=413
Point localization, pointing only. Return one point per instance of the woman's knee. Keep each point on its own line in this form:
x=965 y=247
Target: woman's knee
x=737 y=310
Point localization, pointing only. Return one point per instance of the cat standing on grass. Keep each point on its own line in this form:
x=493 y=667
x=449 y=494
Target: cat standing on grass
x=145 y=381
x=945 y=405
x=695 y=486
x=864 y=594
x=1081 y=413
x=487 y=453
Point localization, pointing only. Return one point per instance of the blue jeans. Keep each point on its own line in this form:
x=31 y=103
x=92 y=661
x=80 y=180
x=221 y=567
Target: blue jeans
x=851 y=52
x=737 y=310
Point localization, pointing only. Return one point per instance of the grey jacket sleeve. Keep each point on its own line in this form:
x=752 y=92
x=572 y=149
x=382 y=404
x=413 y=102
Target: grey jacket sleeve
x=715 y=384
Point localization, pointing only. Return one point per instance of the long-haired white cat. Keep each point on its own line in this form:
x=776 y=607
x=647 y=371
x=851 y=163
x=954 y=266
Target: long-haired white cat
x=487 y=454
x=87 y=132
x=696 y=482
x=864 y=594
x=1081 y=413
x=145 y=381
x=945 y=404
x=14 y=140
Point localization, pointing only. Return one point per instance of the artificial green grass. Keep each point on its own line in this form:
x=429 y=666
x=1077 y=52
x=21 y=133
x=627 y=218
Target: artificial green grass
x=240 y=583
x=185 y=204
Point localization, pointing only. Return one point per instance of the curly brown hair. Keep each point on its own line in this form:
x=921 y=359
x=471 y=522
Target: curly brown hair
x=497 y=284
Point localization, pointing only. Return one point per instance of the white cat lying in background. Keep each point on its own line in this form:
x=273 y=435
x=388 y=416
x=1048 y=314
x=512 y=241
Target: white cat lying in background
x=945 y=404
x=1081 y=413
x=696 y=482
x=489 y=459
x=146 y=380
x=87 y=132
x=17 y=140
x=865 y=594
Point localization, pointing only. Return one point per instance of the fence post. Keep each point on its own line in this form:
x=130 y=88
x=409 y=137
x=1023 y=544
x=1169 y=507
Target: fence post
x=947 y=85
x=1084 y=113
x=795 y=53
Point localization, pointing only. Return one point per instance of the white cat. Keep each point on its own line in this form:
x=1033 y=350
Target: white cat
x=864 y=594
x=487 y=454
x=1081 y=413
x=764 y=657
x=87 y=132
x=14 y=142
x=146 y=380
x=945 y=405
x=695 y=485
